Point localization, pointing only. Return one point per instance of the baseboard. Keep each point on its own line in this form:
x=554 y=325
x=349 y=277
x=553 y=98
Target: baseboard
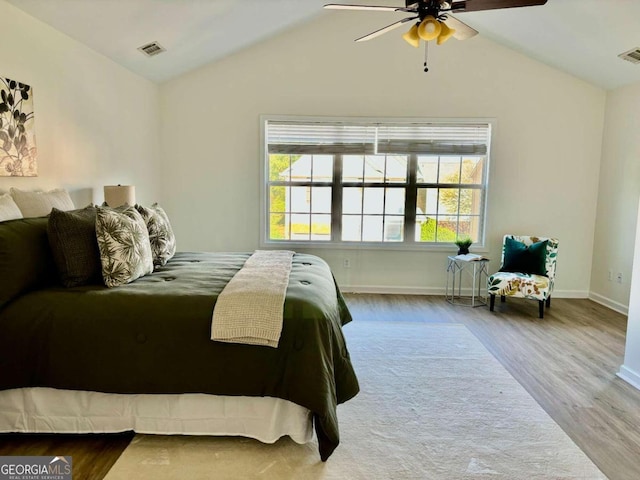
x=396 y=290
x=607 y=302
x=629 y=376
x=392 y=290
x=570 y=294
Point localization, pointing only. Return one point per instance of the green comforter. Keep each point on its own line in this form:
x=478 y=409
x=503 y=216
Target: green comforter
x=153 y=336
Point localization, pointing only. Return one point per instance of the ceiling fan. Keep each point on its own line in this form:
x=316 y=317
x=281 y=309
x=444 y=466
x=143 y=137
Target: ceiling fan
x=432 y=19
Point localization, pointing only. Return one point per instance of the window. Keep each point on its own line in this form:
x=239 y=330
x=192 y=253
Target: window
x=355 y=182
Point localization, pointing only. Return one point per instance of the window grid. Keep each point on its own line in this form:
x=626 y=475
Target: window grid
x=443 y=225
x=410 y=188
x=366 y=186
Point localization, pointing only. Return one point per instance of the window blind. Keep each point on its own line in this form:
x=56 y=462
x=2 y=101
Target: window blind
x=291 y=137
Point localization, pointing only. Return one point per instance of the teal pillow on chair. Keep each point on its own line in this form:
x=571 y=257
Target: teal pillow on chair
x=521 y=258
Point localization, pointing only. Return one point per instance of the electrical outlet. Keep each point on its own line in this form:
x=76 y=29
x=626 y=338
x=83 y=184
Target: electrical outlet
x=619 y=277
x=346 y=263
x=610 y=275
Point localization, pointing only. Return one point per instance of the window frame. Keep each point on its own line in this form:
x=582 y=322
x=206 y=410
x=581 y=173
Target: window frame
x=265 y=242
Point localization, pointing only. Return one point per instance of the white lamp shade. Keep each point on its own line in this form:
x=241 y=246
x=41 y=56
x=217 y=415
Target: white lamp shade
x=118 y=195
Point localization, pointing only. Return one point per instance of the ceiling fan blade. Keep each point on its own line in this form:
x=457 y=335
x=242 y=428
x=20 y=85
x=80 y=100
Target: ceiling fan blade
x=463 y=31
x=478 y=5
x=378 y=8
x=386 y=29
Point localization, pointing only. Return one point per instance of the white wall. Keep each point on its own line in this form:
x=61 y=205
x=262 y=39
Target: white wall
x=619 y=192
x=95 y=122
x=546 y=150
x=630 y=369
x=617 y=235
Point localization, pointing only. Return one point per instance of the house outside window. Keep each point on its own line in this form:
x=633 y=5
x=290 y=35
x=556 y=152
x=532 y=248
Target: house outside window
x=377 y=183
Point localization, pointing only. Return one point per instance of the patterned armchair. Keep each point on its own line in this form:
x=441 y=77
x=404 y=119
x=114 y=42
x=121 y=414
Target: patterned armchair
x=525 y=284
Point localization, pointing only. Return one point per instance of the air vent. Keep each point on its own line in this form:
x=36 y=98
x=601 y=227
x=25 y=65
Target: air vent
x=151 y=49
x=632 y=55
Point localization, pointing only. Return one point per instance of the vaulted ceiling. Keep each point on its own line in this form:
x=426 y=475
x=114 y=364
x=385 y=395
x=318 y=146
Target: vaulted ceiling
x=581 y=37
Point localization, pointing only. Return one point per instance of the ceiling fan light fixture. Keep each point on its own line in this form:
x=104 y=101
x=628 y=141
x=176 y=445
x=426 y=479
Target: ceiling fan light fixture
x=429 y=28
x=445 y=33
x=412 y=37
x=435 y=20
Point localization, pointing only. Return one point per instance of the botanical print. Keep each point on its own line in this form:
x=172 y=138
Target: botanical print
x=17 y=140
x=161 y=236
x=519 y=285
x=123 y=241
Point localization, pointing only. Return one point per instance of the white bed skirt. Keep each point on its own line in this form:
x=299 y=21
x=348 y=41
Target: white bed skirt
x=48 y=410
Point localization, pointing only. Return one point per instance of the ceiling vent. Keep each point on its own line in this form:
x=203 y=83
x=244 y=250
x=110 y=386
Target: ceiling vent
x=151 y=49
x=632 y=55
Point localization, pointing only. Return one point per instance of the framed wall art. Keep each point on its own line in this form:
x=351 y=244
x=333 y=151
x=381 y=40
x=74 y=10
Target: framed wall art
x=18 y=153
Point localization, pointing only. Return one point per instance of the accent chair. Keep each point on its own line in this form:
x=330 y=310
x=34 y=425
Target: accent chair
x=528 y=270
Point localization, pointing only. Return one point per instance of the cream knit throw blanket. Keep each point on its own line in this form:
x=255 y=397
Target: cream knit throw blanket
x=250 y=308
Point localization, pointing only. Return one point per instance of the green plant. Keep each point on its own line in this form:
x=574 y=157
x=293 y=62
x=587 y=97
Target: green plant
x=463 y=242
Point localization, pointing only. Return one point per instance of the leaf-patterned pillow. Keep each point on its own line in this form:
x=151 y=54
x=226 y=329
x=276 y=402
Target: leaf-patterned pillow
x=163 y=241
x=123 y=240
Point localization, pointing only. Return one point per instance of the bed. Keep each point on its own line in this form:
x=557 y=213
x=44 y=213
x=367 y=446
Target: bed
x=142 y=352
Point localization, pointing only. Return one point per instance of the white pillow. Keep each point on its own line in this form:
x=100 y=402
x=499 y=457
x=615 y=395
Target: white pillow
x=39 y=204
x=8 y=208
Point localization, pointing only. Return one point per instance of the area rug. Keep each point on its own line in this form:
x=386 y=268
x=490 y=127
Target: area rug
x=434 y=404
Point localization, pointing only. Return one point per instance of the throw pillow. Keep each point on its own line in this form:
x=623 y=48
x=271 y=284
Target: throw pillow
x=521 y=258
x=25 y=258
x=72 y=237
x=163 y=241
x=39 y=204
x=8 y=208
x=123 y=241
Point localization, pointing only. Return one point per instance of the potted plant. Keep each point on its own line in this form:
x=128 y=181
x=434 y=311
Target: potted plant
x=463 y=244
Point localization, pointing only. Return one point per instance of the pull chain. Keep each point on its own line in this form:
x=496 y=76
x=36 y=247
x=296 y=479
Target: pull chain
x=426 y=53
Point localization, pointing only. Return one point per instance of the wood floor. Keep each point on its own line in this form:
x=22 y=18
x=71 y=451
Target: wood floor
x=92 y=455
x=566 y=361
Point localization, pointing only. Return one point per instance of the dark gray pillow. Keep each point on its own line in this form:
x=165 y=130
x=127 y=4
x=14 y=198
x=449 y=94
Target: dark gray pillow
x=72 y=237
x=25 y=258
